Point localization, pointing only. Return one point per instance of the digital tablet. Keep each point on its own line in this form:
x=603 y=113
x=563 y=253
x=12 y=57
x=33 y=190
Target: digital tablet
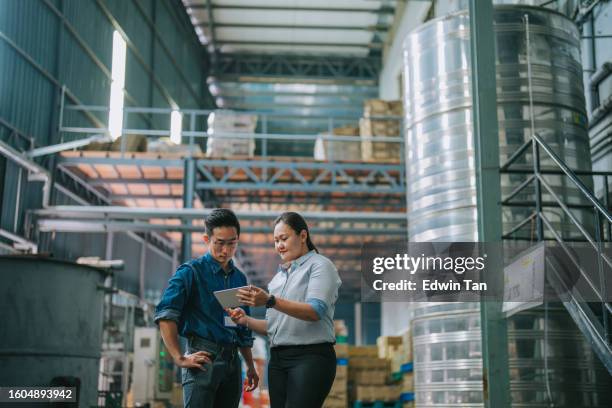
x=229 y=297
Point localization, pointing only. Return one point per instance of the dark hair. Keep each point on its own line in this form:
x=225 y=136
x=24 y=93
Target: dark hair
x=297 y=223
x=221 y=217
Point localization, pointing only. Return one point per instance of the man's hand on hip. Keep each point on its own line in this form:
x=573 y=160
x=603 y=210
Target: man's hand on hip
x=194 y=360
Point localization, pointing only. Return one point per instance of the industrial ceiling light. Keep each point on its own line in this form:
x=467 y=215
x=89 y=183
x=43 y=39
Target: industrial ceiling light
x=176 y=126
x=115 y=116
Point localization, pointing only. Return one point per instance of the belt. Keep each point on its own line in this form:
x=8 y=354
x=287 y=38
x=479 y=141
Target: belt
x=305 y=347
x=226 y=351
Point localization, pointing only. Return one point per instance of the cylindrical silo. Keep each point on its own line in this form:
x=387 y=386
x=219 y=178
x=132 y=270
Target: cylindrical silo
x=441 y=198
x=441 y=181
x=51 y=331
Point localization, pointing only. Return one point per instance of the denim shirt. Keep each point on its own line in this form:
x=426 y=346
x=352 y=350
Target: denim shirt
x=189 y=301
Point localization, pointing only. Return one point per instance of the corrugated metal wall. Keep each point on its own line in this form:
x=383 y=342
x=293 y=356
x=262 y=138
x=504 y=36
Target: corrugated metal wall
x=45 y=44
x=596 y=51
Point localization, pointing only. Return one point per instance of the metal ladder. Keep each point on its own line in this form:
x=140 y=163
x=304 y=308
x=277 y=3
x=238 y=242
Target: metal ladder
x=590 y=310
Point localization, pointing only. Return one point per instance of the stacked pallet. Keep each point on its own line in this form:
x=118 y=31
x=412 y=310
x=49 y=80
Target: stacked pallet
x=224 y=123
x=165 y=145
x=389 y=346
x=131 y=143
x=381 y=119
x=369 y=376
x=397 y=350
x=338 y=395
x=338 y=150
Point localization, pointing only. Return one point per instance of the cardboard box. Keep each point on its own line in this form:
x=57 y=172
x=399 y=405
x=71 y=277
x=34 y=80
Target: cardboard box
x=133 y=143
x=378 y=107
x=371 y=377
x=369 y=393
x=337 y=149
x=342 y=350
x=407 y=346
x=335 y=404
x=363 y=351
x=384 y=150
x=340 y=328
x=177 y=395
x=389 y=346
x=407 y=382
x=368 y=363
x=381 y=119
x=338 y=395
x=389 y=341
x=339 y=387
x=341 y=373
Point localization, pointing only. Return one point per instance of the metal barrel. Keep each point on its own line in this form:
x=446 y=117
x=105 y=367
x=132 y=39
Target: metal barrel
x=51 y=331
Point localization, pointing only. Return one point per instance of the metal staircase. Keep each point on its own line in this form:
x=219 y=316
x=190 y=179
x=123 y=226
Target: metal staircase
x=588 y=305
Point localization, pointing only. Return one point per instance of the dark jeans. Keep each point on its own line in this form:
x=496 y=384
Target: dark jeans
x=220 y=385
x=301 y=376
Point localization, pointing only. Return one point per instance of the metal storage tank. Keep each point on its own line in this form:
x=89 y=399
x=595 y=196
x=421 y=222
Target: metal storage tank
x=441 y=181
x=51 y=332
x=448 y=360
x=442 y=199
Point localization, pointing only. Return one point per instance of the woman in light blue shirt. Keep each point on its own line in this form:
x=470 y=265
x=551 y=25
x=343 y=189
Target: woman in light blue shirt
x=299 y=318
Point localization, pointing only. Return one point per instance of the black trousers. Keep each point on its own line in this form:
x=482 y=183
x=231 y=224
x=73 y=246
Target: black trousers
x=301 y=376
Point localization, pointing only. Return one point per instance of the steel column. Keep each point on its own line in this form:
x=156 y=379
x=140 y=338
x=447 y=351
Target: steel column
x=188 y=192
x=141 y=269
x=496 y=385
x=358 y=324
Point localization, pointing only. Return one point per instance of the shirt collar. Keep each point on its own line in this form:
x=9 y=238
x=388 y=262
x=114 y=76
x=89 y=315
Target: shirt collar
x=216 y=266
x=296 y=262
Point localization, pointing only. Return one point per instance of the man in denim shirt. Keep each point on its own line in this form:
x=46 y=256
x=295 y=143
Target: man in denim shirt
x=211 y=368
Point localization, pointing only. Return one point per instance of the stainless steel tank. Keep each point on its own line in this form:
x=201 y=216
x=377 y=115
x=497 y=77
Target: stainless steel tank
x=51 y=329
x=441 y=199
x=448 y=361
x=438 y=105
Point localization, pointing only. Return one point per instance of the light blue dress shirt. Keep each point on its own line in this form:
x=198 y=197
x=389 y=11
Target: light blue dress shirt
x=312 y=279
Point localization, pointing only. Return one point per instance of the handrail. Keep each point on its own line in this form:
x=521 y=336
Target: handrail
x=536 y=142
x=320 y=128
x=572 y=258
x=516 y=155
x=585 y=191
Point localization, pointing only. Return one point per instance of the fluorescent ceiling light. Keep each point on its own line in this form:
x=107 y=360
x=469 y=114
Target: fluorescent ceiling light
x=115 y=116
x=176 y=126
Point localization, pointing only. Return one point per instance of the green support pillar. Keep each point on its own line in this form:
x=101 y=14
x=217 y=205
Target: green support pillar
x=486 y=145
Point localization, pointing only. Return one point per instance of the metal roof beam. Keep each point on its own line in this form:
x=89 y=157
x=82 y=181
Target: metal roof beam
x=88 y=226
x=302 y=66
x=369 y=28
x=300 y=44
x=212 y=28
x=382 y=10
x=120 y=212
x=101 y=182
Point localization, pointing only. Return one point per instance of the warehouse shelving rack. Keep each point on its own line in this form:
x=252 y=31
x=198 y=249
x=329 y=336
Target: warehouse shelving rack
x=167 y=194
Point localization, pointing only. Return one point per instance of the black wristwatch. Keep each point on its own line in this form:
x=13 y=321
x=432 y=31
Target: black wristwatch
x=271 y=302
